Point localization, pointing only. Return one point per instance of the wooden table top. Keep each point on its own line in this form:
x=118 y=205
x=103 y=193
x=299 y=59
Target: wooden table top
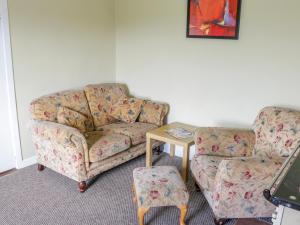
x=162 y=135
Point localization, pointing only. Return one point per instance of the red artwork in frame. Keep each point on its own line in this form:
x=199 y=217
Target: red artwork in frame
x=213 y=19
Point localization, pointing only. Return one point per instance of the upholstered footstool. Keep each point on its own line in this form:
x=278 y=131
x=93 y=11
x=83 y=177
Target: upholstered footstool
x=159 y=186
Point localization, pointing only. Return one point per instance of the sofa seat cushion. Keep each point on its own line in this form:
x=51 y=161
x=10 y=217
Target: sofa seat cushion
x=136 y=131
x=101 y=146
x=204 y=169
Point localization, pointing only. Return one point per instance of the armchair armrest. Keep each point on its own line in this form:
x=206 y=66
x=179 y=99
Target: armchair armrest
x=62 y=148
x=224 y=142
x=239 y=186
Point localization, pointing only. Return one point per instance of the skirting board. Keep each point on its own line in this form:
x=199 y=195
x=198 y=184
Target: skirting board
x=178 y=150
x=27 y=162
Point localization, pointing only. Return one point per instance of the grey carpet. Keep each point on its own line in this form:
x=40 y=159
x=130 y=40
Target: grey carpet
x=42 y=198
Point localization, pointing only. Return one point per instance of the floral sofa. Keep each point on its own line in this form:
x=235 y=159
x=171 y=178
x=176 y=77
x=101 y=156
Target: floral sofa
x=78 y=133
x=233 y=167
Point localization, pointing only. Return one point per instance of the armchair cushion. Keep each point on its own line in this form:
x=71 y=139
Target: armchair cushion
x=136 y=131
x=224 y=142
x=61 y=148
x=204 y=169
x=127 y=109
x=239 y=186
x=72 y=118
x=103 y=146
x=153 y=112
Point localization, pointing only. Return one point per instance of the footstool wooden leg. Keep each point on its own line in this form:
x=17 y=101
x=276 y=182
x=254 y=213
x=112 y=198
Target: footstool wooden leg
x=141 y=215
x=183 y=211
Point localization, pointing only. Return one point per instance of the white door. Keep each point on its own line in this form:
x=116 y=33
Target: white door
x=7 y=160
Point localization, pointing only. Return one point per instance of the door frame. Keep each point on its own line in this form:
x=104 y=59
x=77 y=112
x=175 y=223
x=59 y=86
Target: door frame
x=10 y=83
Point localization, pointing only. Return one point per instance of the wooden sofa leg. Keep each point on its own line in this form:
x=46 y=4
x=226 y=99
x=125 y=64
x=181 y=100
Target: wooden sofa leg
x=40 y=167
x=220 y=221
x=82 y=186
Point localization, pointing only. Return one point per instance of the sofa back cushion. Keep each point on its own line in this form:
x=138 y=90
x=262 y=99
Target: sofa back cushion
x=72 y=118
x=153 y=112
x=101 y=97
x=127 y=109
x=277 y=131
x=46 y=107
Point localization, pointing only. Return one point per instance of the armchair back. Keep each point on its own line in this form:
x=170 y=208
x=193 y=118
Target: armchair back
x=277 y=131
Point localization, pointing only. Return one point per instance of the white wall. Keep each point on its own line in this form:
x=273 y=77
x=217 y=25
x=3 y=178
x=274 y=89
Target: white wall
x=61 y=44
x=57 y=45
x=210 y=82
x=6 y=152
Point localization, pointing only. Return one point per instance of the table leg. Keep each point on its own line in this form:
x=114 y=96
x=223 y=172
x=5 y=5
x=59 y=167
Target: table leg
x=185 y=163
x=172 y=150
x=149 y=152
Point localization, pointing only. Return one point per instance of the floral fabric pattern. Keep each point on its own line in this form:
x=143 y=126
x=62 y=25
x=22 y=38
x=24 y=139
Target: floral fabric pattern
x=111 y=162
x=136 y=131
x=104 y=146
x=68 y=149
x=153 y=113
x=205 y=169
x=235 y=190
x=240 y=184
x=72 y=118
x=159 y=186
x=224 y=142
x=127 y=109
x=101 y=97
x=277 y=131
x=45 y=108
x=61 y=148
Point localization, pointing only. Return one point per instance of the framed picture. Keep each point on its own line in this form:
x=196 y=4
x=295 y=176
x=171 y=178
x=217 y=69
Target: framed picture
x=213 y=19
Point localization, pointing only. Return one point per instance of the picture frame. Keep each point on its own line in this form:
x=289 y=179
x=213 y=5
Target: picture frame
x=217 y=19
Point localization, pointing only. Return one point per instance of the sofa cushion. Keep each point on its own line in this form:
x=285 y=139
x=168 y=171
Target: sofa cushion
x=127 y=109
x=100 y=99
x=46 y=107
x=204 y=169
x=72 y=118
x=153 y=112
x=102 y=146
x=136 y=131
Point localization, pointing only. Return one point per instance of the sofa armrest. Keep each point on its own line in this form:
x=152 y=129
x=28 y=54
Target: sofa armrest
x=60 y=146
x=224 y=142
x=62 y=134
x=239 y=186
x=154 y=113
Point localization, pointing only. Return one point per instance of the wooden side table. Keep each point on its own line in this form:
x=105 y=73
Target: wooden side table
x=160 y=134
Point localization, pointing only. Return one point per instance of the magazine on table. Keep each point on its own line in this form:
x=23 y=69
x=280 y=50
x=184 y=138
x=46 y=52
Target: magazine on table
x=180 y=133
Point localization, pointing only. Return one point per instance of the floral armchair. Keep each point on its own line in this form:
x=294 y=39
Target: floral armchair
x=232 y=167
